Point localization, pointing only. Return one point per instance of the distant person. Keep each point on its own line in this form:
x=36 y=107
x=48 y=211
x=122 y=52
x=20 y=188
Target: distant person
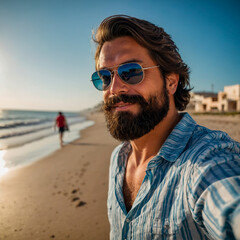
x=170 y=178
x=62 y=125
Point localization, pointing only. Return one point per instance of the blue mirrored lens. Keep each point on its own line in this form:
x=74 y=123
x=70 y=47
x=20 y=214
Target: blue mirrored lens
x=97 y=81
x=101 y=79
x=131 y=73
x=105 y=76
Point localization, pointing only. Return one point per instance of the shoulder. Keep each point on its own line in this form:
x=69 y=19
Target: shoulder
x=60 y=117
x=213 y=156
x=118 y=156
x=206 y=144
x=210 y=153
x=116 y=151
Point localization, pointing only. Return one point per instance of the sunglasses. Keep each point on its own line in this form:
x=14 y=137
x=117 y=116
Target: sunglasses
x=130 y=73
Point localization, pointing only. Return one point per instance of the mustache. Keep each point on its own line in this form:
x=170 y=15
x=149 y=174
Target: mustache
x=109 y=104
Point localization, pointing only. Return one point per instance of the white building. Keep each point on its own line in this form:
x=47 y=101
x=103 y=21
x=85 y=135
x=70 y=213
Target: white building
x=226 y=101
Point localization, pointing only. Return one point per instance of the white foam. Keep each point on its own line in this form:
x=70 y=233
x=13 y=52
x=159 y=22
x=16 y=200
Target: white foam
x=31 y=152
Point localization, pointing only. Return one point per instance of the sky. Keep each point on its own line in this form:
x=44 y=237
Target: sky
x=47 y=55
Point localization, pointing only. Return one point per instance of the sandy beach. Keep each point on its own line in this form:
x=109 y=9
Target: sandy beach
x=63 y=196
x=229 y=124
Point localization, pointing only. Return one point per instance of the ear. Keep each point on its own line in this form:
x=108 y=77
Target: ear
x=172 y=82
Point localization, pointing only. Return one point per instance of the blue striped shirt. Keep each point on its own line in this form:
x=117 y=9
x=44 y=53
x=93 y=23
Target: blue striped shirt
x=191 y=189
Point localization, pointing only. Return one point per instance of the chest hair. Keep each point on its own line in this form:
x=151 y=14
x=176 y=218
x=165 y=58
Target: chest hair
x=131 y=185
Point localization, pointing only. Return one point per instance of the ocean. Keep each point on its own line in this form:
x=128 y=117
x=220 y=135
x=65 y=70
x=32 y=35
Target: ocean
x=27 y=136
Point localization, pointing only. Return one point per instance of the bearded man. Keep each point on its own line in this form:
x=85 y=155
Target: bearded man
x=170 y=178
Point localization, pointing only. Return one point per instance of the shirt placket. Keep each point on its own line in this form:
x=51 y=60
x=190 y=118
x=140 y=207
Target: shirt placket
x=127 y=231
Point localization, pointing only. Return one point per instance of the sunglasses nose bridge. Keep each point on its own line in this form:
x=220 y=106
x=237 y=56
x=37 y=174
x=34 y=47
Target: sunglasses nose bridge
x=117 y=85
x=114 y=73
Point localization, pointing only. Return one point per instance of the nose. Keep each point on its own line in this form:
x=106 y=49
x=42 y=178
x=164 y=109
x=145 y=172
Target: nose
x=117 y=86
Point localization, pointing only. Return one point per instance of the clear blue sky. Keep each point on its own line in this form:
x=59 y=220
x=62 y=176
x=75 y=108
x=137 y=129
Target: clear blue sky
x=47 y=57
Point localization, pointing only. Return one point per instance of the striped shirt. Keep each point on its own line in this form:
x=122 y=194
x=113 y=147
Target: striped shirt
x=191 y=189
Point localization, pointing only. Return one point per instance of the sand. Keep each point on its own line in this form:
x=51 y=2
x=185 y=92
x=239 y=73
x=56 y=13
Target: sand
x=229 y=124
x=63 y=196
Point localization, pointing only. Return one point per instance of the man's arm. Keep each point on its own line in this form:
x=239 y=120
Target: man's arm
x=214 y=194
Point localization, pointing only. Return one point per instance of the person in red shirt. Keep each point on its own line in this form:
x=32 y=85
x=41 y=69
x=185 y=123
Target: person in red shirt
x=61 y=123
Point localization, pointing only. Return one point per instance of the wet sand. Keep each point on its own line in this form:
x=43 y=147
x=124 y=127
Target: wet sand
x=63 y=196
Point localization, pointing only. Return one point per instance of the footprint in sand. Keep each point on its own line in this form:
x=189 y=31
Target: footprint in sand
x=86 y=164
x=74 y=191
x=81 y=203
x=83 y=170
x=80 y=175
x=75 y=199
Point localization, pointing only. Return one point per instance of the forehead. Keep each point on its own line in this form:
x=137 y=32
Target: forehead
x=121 y=50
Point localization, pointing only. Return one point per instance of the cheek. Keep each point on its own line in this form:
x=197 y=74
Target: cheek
x=105 y=95
x=152 y=83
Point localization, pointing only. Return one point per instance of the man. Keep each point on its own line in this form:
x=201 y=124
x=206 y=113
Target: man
x=170 y=178
x=61 y=123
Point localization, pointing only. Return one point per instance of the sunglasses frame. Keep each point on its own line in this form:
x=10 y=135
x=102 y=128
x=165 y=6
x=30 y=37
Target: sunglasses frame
x=116 y=70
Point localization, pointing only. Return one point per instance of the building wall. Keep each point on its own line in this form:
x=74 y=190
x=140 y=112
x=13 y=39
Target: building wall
x=233 y=92
x=228 y=100
x=210 y=104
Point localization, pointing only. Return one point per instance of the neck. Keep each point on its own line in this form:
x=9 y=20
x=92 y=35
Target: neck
x=146 y=147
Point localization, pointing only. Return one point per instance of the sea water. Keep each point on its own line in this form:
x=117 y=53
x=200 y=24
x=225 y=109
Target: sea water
x=27 y=136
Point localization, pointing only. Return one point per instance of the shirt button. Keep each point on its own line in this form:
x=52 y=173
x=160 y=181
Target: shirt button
x=127 y=220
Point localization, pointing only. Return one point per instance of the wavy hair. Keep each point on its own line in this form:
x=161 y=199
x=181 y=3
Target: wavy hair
x=159 y=44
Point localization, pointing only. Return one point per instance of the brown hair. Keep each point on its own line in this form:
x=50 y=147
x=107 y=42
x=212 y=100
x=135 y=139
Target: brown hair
x=161 y=48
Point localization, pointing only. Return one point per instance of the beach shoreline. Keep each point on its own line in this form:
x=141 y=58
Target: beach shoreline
x=64 y=195
x=35 y=149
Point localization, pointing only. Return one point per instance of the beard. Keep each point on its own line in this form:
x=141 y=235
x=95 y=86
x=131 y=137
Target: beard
x=126 y=126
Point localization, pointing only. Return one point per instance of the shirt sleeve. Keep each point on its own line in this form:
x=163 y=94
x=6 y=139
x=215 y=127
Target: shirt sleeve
x=214 y=192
